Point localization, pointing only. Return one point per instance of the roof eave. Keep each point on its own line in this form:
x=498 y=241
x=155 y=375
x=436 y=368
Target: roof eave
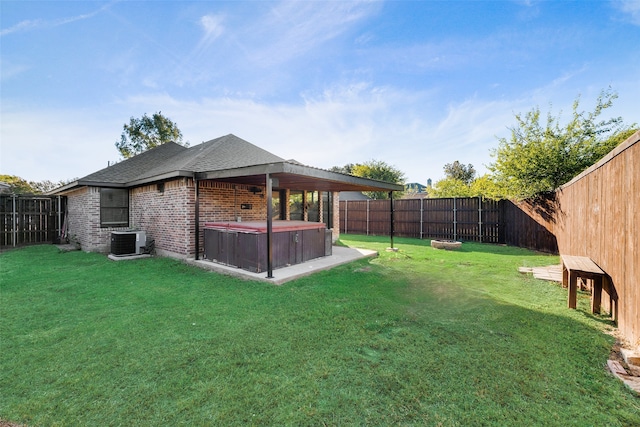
x=161 y=177
x=374 y=185
x=348 y=182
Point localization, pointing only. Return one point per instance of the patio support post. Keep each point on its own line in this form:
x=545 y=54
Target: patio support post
x=269 y=229
x=391 y=211
x=197 y=215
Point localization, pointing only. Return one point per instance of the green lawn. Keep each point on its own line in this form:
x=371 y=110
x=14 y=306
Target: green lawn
x=417 y=337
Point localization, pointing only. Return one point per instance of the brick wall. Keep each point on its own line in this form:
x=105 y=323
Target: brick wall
x=221 y=201
x=166 y=212
x=83 y=206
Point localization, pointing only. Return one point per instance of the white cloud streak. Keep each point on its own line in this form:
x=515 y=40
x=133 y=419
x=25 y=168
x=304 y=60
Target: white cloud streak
x=36 y=24
x=344 y=124
x=293 y=28
x=213 y=28
x=631 y=8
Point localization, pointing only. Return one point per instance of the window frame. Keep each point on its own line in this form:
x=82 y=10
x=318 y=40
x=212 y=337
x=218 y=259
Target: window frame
x=123 y=207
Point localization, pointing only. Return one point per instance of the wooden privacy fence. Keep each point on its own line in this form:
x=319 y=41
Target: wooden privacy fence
x=468 y=219
x=26 y=220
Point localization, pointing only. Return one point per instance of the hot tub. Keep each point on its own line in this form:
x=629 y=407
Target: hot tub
x=244 y=244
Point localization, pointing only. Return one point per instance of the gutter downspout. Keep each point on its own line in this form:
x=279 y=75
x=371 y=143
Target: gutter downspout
x=197 y=214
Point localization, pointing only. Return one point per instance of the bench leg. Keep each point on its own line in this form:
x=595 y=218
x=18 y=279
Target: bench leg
x=596 y=294
x=573 y=289
x=565 y=276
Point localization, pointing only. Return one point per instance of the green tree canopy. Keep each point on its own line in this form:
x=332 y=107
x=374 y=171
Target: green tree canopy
x=18 y=185
x=147 y=132
x=374 y=169
x=484 y=186
x=346 y=169
x=538 y=158
x=459 y=171
x=450 y=187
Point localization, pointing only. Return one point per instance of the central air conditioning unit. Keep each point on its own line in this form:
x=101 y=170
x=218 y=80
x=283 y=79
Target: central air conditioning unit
x=128 y=242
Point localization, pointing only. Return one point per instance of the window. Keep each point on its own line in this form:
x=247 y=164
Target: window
x=296 y=206
x=327 y=208
x=114 y=207
x=313 y=206
x=277 y=207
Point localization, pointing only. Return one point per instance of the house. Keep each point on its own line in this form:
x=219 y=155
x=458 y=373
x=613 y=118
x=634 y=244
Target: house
x=353 y=195
x=415 y=190
x=171 y=192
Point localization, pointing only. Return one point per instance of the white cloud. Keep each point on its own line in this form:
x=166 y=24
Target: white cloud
x=343 y=124
x=57 y=144
x=631 y=8
x=9 y=70
x=25 y=25
x=213 y=28
x=293 y=28
x=348 y=124
x=34 y=24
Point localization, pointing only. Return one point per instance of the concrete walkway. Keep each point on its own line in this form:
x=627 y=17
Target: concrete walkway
x=341 y=255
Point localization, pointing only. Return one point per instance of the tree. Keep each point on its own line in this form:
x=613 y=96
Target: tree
x=346 y=169
x=457 y=181
x=538 y=159
x=450 y=187
x=147 y=132
x=374 y=169
x=457 y=170
x=18 y=185
x=486 y=187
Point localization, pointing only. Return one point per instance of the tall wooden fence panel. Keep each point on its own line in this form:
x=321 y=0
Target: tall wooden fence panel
x=27 y=220
x=597 y=215
x=527 y=226
x=469 y=219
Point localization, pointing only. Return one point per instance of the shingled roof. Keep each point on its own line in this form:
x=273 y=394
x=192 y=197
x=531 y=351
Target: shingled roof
x=226 y=152
x=224 y=158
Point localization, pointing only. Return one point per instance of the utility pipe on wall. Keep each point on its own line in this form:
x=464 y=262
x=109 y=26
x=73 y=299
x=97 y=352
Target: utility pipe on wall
x=196 y=183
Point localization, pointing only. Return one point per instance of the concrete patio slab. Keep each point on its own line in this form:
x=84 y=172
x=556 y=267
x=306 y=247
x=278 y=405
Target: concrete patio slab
x=341 y=255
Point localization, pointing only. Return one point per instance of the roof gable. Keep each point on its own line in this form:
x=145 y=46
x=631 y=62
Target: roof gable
x=226 y=152
x=136 y=166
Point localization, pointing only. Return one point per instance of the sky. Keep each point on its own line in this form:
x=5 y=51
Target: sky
x=416 y=84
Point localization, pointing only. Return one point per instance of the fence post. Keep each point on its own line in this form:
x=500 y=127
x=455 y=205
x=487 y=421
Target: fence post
x=480 y=218
x=14 y=225
x=391 y=213
x=368 y=216
x=59 y=225
x=421 y=217
x=455 y=220
x=346 y=203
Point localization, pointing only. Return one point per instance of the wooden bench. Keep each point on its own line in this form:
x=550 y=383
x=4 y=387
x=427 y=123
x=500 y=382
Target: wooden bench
x=583 y=267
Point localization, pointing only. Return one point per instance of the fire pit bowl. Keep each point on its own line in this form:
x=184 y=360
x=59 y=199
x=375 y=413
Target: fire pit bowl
x=446 y=244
